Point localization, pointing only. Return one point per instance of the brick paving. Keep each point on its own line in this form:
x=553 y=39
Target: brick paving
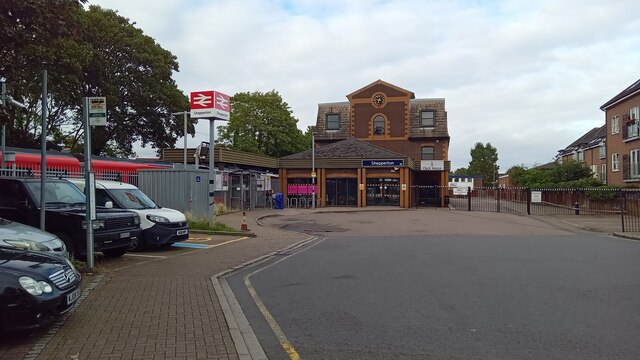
x=161 y=309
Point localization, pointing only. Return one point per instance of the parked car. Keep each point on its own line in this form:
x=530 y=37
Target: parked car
x=25 y=237
x=114 y=229
x=160 y=226
x=35 y=288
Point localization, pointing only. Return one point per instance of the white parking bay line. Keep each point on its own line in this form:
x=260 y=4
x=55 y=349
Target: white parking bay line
x=146 y=256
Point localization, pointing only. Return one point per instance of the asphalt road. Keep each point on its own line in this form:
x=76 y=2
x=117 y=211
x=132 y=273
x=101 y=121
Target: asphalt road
x=554 y=294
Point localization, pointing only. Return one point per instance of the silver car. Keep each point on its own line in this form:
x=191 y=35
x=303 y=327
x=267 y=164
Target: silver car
x=20 y=236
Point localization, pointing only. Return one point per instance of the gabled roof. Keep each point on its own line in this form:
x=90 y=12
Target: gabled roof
x=348 y=149
x=634 y=89
x=384 y=83
x=591 y=139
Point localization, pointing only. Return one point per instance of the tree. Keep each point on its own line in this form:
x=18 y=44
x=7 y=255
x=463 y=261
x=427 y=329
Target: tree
x=263 y=123
x=570 y=170
x=37 y=35
x=566 y=174
x=484 y=160
x=461 y=171
x=99 y=54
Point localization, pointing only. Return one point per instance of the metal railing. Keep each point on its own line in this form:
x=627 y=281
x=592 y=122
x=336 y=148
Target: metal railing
x=622 y=203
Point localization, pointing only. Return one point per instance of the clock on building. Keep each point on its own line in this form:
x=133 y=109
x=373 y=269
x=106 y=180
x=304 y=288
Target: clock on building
x=378 y=100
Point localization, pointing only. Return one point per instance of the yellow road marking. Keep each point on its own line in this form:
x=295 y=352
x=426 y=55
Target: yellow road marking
x=277 y=330
x=230 y=241
x=282 y=338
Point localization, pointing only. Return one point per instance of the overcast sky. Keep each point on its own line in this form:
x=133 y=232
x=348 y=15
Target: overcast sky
x=527 y=76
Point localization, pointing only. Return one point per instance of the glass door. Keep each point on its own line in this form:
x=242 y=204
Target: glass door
x=383 y=192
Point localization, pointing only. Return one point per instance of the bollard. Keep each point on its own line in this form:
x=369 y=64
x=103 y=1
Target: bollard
x=577 y=207
x=244 y=227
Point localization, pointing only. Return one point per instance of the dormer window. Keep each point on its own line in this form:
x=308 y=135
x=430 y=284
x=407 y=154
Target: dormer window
x=427 y=118
x=333 y=122
x=378 y=125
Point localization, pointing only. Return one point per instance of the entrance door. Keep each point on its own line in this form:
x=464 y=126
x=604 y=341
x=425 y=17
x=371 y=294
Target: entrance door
x=383 y=192
x=341 y=192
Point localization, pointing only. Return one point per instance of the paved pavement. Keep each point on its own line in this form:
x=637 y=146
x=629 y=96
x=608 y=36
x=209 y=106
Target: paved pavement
x=157 y=305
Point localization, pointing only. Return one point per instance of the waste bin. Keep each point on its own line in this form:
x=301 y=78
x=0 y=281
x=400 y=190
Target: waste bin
x=279 y=201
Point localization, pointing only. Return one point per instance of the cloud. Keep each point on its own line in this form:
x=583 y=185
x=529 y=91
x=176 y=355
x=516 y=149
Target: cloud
x=529 y=77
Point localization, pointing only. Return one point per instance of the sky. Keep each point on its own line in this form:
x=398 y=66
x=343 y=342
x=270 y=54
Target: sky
x=529 y=77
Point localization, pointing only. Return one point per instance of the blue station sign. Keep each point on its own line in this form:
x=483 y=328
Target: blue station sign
x=383 y=163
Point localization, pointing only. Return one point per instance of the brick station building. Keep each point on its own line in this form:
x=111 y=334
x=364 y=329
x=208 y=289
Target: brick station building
x=382 y=147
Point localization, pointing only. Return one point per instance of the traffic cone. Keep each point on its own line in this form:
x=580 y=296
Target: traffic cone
x=244 y=227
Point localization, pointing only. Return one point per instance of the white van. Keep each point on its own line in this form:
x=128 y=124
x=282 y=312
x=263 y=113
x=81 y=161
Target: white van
x=160 y=226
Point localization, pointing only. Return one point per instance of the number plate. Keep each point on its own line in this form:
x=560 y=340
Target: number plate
x=183 y=232
x=71 y=298
x=125 y=235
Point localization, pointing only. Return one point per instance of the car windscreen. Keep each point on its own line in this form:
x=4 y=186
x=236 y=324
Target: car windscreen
x=132 y=199
x=56 y=193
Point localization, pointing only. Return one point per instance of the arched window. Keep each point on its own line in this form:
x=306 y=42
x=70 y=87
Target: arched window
x=378 y=125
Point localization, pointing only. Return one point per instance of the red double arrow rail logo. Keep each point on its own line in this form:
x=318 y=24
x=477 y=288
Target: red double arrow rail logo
x=202 y=100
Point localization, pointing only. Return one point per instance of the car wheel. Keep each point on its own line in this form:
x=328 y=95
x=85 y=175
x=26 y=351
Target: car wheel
x=136 y=244
x=113 y=253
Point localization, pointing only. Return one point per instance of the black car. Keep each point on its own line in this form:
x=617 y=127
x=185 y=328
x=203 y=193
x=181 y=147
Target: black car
x=35 y=288
x=114 y=230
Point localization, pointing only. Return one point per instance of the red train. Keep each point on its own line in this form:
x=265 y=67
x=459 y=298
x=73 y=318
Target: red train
x=28 y=162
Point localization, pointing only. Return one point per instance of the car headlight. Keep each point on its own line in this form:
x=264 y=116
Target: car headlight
x=95 y=224
x=34 y=287
x=136 y=220
x=158 y=219
x=24 y=244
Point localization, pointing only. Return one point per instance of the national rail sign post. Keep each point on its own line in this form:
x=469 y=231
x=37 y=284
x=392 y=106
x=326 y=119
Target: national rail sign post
x=212 y=105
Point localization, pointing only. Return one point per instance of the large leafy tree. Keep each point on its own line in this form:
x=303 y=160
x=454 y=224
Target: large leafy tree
x=484 y=160
x=263 y=123
x=39 y=35
x=100 y=53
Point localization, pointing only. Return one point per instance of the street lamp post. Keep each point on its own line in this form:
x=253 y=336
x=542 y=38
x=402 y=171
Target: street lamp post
x=185 y=134
x=313 y=170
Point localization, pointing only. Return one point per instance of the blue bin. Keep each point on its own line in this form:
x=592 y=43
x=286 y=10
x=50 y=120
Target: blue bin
x=279 y=201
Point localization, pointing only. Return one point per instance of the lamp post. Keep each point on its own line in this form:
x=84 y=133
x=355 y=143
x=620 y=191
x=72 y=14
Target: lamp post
x=185 y=134
x=313 y=170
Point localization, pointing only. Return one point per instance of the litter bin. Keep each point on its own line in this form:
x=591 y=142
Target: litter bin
x=279 y=201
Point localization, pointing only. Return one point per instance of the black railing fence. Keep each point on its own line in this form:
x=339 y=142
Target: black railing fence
x=623 y=203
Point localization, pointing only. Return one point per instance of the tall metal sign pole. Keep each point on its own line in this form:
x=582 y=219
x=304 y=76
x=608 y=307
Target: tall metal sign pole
x=94 y=112
x=212 y=105
x=43 y=149
x=313 y=170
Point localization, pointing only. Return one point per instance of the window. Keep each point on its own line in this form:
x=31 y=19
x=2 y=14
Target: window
x=333 y=122
x=631 y=123
x=603 y=173
x=427 y=118
x=378 y=125
x=581 y=155
x=427 y=153
x=615 y=125
x=635 y=160
x=615 y=162
x=594 y=171
x=603 y=151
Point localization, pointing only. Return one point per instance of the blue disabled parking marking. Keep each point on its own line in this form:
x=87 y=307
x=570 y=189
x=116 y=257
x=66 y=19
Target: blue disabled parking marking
x=197 y=246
